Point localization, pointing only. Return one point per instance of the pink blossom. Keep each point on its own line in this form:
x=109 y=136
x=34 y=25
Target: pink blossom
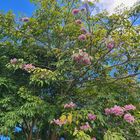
x=86 y=61
x=93 y=138
x=91 y=117
x=13 y=61
x=83 y=30
x=82 y=37
x=28 y=67
x=78 y=21
x=110 y=45
x=75 y=11
x=85 y=126
x=129 y=107
x=25 y=19
x=58 y=122
x=82 y=58
x=70 y=105
x=129 y=118
x=117 y=110
x=108 y=111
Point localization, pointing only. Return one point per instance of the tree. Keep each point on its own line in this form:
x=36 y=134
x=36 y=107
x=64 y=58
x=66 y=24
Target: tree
x=67 y=72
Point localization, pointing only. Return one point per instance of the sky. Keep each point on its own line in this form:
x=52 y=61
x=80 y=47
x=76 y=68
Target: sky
x=19 y=7
x=110 y=5
x=25 y=8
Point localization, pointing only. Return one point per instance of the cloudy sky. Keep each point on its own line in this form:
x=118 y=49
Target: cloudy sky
x=110 y=5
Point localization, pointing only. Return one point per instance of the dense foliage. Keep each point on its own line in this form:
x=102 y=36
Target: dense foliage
x=67 y=72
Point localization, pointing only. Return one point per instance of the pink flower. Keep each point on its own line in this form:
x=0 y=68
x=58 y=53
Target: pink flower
x=78 y=21
x=28 y=67
x=75 y=11
x=93 y=138
x=13 y=61
x=25 y=19
x=85 y=127
x=86 y=61
x=129 y=107
x=82 y=58
x=82 y=37
x=108 y=111
x=70 y=105
x=117 y=110
x=83 y=30
x=58 y=122
x=110 y=45
x=91 y=117
x=129 y=118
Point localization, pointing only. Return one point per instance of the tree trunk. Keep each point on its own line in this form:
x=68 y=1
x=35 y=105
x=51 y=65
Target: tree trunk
x=37 y=136
x=30 y=136
x=54 y=136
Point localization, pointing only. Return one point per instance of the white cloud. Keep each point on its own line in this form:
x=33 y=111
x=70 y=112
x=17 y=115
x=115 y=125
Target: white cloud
x=110 y=5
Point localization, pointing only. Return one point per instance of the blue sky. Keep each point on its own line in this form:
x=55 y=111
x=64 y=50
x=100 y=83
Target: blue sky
x=19 y=7
x=24 y=7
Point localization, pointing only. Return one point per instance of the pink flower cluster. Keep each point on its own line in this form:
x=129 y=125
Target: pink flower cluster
x=70 y=105
x=110 y=45
x=13 y=61
x=78 y=21
x=129 y=107
x=28 y=67
x=85 y=126
x=58 y=122
x=82 y=58
x=83 y=30
x=91 y=117
x=93 y=138
x=75 y=11
x=82 y=37
x=119 y=111
x=129 y=118
x=84 y=34
x=116 y=110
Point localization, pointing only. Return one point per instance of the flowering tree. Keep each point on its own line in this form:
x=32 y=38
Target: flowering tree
x=67 y=72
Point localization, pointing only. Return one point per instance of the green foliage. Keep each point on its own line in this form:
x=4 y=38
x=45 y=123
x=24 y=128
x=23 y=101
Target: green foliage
x=113 y=136
x=33 y=97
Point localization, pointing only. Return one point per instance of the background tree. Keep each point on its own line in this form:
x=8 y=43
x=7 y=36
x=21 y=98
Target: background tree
x=64 y=67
